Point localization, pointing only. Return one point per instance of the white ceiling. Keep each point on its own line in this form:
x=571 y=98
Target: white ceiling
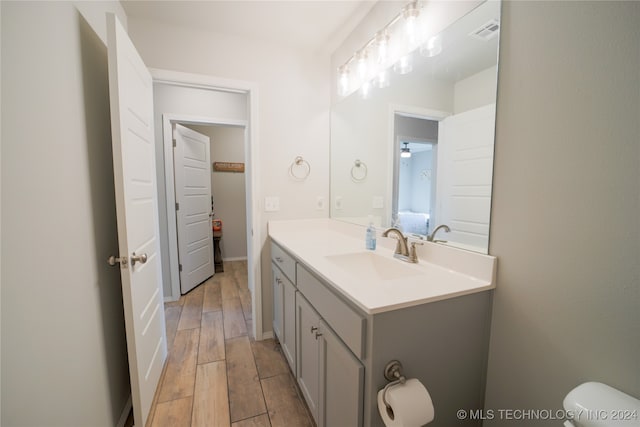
x=310 y=24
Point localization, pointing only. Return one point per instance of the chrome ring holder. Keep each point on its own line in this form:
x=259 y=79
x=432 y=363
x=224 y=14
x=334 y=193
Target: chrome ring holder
x=304 y=165
x=358 y=165
x=393 y=373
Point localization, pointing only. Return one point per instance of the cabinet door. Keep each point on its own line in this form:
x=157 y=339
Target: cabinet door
x=288 y=339
x=278 y=300
x=341 y=382
x=308 y=369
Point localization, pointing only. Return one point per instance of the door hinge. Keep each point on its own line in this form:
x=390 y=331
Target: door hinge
x=174 y=143
x=177 y=206
x=113 y=260
x=179 y=267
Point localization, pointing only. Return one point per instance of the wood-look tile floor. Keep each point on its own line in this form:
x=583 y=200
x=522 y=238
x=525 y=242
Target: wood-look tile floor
x=216 y=373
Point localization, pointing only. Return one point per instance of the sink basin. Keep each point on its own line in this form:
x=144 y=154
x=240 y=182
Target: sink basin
x=370 y=265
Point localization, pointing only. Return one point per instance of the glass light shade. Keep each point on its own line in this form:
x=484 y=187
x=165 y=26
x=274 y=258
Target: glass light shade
x=411 y=13
x=382 y=44
x=382 y=79
x=365 y=90
x=363 y=66
x=404 y=65
x=432 y=47
x=343 y=81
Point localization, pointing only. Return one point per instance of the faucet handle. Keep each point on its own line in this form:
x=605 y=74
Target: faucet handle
x=413 y=255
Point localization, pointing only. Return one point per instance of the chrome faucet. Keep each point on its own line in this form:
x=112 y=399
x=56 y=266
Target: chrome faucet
x=403 y=251
x=431 y=236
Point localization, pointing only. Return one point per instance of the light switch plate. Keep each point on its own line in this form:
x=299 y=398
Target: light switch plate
x=320 y=203
x=377 y=202
x=271 y=204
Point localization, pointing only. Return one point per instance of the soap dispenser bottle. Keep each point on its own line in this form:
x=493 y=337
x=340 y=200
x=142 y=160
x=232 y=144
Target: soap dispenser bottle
x=371 y=235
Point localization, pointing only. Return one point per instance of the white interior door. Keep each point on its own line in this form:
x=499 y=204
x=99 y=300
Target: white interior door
x=193 y=195
x=130 y=90
x=465 y=164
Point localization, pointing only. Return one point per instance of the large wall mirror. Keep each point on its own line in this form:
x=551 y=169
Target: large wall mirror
x=419 y=153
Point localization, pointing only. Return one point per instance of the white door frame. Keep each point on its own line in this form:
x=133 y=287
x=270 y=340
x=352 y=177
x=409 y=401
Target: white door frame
x=199 y=81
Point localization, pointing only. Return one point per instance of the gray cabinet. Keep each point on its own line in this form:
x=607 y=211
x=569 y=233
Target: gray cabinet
x=338 y=352
x=284 y=296
x=341 y=382
x=278 y=301
x=288 y=337
x=329 y=375
x=308 y=360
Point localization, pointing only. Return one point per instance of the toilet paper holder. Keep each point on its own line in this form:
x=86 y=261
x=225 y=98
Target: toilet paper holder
x=393 y=373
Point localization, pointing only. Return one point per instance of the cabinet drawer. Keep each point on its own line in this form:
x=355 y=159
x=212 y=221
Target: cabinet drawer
x=284 y=262
x=348 y=324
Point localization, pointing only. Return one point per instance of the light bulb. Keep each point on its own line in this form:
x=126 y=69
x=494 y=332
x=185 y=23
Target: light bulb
x=382 y=42
x=365 y=90
x=363 y=66
x=411 y=13
x=405 y=152
x=403 y=66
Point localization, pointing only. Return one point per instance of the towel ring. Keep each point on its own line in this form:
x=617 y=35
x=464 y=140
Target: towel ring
x=358 y=165
x=302 y=164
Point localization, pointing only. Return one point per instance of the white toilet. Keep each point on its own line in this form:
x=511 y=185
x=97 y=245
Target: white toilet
x=595 y=404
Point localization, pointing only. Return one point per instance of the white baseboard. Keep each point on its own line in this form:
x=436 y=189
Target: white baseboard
x=237 y=258
x=125 y=413
x=170 y=298
x=267 y=335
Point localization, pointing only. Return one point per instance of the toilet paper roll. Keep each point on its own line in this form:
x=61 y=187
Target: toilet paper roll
x=411 y=405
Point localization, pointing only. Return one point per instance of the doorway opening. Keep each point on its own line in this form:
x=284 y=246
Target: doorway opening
x=414 y=210
x=415 y=148
x=226 y=201
x=185 y=98
x=227 y=182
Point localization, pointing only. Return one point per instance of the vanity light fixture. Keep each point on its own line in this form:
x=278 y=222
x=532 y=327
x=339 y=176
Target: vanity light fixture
x=405 y=152
x=392 y=46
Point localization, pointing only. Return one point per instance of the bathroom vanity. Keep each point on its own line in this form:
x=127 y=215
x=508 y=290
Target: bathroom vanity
x=341 y=313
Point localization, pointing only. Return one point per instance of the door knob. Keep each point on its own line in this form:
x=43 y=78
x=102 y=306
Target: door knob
x=142 y=258
x=113 y=260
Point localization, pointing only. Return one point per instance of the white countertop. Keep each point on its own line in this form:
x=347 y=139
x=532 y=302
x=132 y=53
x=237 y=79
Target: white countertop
x=328 y=247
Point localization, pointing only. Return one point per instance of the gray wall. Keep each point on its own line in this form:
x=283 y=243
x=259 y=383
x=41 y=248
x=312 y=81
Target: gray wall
x=412 y=127
x=228 y=188
x=421 y=192
x=565 y=220
x=64 y=357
